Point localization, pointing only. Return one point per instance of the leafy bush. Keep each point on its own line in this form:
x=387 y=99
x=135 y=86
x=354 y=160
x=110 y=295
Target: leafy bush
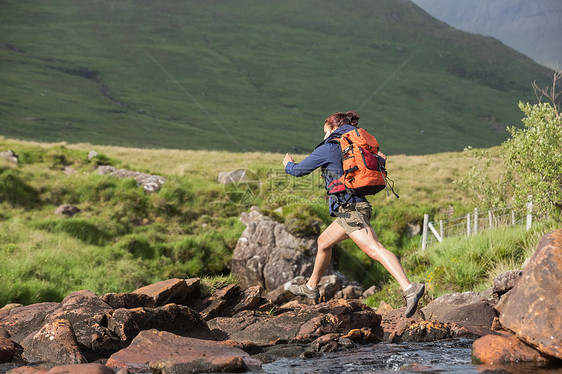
x=533 y=156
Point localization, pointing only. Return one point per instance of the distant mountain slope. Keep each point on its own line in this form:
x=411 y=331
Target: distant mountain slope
x=532 y=27
x=252 y=75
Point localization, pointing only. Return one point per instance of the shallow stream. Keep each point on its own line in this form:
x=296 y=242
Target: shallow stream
x=444 y=356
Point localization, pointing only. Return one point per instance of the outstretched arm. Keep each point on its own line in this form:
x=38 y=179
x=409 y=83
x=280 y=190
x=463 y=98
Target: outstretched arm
x=306 y=166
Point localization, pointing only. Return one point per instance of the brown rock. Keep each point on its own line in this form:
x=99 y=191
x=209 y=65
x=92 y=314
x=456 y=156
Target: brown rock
x=261 y=327
x=355 y=335
x=279 y=296
x=167 y=352
x=87 y=314
x=472 y=308
x=212 y=309
x=501 y=302
x=339 y=316
x=352 y=292
x=533 y=308
x=248 y=299
x=8 y=350
x=394 y=323
x=5 y=310
x=230 y=300
x=506 y=281
x=25 y=320
x=372 y=335
x=55 y=343
x=28 y=370
x=127 y=300
x=328 y=286
x=302 y=323
x=470 y=331
x=427 y=331
x=93 y=368
x=212 y=306
x=384 y=308
x=227 y=293
x=169 y=291
x=504 y=348
x=179 y=319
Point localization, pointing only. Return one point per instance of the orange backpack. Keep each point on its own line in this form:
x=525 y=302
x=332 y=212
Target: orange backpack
x=364 y=171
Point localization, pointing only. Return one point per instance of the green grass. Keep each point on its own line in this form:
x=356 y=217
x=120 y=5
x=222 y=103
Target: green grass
x=462 y=264
x=253 y=76
x=123 y=238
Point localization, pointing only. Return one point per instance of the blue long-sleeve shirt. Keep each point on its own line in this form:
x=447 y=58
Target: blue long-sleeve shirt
x=326 y=155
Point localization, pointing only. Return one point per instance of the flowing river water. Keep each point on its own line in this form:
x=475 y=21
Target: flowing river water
x=444 y=356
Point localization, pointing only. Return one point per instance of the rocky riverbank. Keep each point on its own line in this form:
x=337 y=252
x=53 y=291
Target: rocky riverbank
x=171 y=326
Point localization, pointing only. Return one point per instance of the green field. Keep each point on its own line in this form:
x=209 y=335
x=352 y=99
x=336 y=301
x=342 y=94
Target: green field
x=252 y=76
x=123 y=238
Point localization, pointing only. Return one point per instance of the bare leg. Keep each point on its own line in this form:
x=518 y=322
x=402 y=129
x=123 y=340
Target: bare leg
x=369 y=243
x=330 y=237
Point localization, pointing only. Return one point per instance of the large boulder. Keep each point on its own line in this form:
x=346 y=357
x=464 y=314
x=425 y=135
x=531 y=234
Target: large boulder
x=159 y=351
x=268 y=255
x=503 y=348
x=471 y=308
x=532 y=310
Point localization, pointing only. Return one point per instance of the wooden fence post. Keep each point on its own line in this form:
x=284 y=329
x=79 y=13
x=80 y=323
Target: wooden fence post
x=424 y=233
x=441 y=228
x=475 y=231
x=468 y=224
x=490 y=218
x=529 y=214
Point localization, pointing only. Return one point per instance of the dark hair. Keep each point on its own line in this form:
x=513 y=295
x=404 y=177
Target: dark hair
x=339 y=119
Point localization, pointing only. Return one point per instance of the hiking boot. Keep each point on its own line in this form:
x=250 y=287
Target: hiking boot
x=303 y=290
x=413 y=295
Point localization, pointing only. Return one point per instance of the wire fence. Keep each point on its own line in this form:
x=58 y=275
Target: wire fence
x=471 y=224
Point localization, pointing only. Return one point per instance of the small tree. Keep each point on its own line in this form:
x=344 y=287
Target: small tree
x=532 y=158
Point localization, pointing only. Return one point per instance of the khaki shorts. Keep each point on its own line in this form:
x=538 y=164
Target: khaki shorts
x=359 y=216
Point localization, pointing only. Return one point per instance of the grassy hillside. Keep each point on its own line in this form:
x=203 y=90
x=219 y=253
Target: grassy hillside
x=123 y=238
x=252 y=76
x=531 y=27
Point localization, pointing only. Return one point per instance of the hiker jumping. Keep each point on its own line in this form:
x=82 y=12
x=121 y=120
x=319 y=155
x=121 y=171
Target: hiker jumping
x=352 y=210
